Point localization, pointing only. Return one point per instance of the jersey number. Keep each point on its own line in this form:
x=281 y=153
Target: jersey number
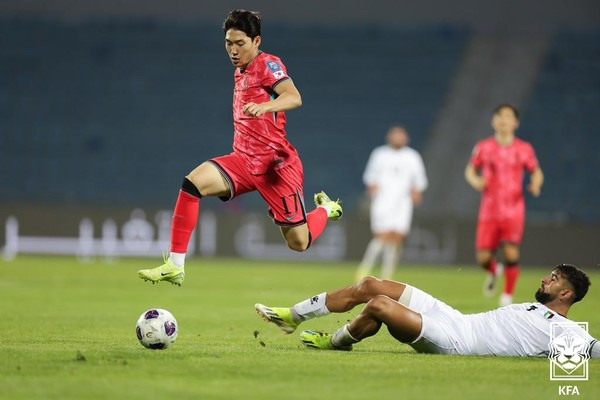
x=284 y=200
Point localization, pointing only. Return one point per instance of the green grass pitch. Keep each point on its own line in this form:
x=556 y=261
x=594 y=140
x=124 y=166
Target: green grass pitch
x=68 y=332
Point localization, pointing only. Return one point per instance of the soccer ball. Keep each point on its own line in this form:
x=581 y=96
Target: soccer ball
x=156 y=329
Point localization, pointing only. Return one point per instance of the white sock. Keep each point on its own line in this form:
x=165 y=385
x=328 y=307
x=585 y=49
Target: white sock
x=177 y=259
x=342 y=337
x=371 y=254
x=327 y=208
x=313 y=307
x=391 y=255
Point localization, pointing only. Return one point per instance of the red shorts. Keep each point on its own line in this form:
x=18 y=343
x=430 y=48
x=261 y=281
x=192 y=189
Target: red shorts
x=491 y=232
x=281 y=189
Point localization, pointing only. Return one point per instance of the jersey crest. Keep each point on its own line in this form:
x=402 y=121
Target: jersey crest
x=275 y=69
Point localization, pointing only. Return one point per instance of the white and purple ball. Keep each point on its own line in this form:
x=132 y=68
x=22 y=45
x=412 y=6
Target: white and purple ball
x=156 y=329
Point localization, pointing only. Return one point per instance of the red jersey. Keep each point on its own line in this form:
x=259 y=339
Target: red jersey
x=260 y=140
x=502 y=168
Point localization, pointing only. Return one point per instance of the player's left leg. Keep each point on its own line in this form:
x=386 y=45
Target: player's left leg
x=380 y=212
x=511 y=272
x=374 y=249
x=399 y=223
x=204 y=180
x=403 y=324
x=338 y=301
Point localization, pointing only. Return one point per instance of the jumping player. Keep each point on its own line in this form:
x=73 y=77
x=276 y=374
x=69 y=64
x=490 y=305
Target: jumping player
x=429 y=325
x=496 y=169
x=262 y=159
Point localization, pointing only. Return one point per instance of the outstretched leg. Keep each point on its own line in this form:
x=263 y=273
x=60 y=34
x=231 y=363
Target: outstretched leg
x=204 y=180
x=346 y=299
x=403 y=324
x=339 y=301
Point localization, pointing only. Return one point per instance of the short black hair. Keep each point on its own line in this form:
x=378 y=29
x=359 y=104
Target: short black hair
x=502 y=106
x=243 y=20
x=577 y=278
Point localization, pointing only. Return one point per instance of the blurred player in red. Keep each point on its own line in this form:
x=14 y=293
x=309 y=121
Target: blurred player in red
x=496 y=169
x=262 y=159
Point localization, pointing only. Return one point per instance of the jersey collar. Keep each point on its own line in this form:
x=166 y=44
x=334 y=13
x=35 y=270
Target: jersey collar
x=242 y=70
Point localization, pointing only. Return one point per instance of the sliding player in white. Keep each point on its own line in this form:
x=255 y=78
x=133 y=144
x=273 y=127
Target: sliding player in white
x=430 y=326
x=395 y=179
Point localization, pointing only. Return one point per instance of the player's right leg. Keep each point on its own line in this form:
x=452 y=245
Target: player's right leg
x=487 y=261
x=372 y=253
x=204 y=180
x=339 y=301
x=391 y=254
x=403 y=324
x=487 y=242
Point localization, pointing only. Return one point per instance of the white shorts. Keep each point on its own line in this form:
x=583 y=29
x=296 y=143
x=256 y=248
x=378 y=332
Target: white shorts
x=444 y=331
x=393 y=216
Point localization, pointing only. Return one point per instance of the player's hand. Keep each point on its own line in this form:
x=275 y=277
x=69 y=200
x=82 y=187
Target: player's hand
x=478 y=184
x=372 y=189
x=417 y=197
x=535 y=190
x=254 y=110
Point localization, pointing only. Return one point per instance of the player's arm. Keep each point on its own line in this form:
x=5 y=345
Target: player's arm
x=288 y=98
x=371 y=173
x=536 y=182
x=420 y=181
x=473 y=178
x=417 y=197
x=372 y=189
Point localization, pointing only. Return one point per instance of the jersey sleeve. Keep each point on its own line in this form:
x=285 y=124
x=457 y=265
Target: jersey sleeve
x=420 y=177
x=530 y=161
x=372 y=169
x=273 y=73
x=476 y=159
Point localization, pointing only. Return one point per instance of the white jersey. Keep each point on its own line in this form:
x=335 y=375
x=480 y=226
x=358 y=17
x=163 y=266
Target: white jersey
x=396 y=172
x=517 y=330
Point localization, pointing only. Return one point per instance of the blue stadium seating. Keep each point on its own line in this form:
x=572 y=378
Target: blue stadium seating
x=563 y=123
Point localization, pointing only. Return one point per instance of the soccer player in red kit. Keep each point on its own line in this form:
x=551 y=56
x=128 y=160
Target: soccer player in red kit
x=262 y=159
x=496 y=169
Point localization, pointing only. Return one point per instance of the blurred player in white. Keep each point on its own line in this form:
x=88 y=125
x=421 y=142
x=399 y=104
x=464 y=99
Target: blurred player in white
x=395 y=179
